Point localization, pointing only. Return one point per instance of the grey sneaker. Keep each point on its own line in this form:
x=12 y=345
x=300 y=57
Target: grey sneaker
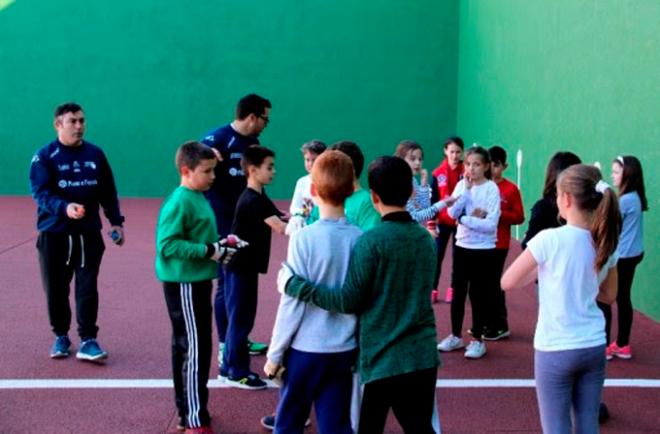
x=60 y=348
x=91 y=351
x=451 y=343
x=475 y=350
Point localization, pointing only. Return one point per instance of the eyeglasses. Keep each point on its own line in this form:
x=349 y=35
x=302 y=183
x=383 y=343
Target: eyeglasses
x=266 y=119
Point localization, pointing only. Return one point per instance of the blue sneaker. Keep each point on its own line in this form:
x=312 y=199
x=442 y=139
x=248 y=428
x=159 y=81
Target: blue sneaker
x=60 y=348
x=91 y=351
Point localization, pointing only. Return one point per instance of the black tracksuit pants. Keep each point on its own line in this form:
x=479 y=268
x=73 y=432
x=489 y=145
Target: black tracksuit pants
x=61 y=256
x=189 y=307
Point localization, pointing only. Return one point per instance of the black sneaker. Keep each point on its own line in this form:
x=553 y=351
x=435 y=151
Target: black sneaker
x=250 y=382
x=268 y=422
x=496 y=335
x=60 y=348
x=603 y=413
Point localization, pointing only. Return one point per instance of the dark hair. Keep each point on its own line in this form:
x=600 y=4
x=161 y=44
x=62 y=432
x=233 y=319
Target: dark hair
x=559 y=162
x=67 y=107
x=483 y=153
x=406 y=146
x=332 y=177
x=497 y=154
x=391 y=179
x=579 y=180
x=191 y=153
x=353 y=151
x=314 y=146
x=632 y=178
x=254 y=156
x=454 y=140
x=251 y=104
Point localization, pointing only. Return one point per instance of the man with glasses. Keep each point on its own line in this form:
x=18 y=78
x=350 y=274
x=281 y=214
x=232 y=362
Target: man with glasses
x=230 y=141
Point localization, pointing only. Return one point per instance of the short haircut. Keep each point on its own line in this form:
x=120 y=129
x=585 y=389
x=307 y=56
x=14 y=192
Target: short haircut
x=332 y=177
x=251 y=104
x=191 y=153
x=455 y=140
x=314 y=146
x=67 y=107
x=406 y=146
x=391 y=179
x=353 y=151
x=497 y=154
x=255 y=155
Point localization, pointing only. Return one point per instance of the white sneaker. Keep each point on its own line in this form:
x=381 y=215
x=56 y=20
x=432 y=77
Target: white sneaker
x=451 y=343
x=475 y=350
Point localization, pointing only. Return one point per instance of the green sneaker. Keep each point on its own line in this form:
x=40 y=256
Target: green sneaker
x=257 y=348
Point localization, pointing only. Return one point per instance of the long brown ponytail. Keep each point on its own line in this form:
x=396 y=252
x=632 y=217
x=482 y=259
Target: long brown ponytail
x=600 y=202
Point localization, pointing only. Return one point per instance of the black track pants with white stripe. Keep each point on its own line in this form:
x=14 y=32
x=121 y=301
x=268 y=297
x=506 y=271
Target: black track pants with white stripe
x=189 y=306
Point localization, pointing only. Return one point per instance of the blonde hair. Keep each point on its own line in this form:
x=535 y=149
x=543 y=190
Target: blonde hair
x=332 y=176
x=602 y=206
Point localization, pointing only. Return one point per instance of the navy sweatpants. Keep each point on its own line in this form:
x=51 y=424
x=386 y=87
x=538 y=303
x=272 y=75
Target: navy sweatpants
x=322 y=379
x=241 y=306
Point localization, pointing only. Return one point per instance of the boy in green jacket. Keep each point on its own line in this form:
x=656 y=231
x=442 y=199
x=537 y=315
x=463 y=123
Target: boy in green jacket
x=390 y=272
x=187 y=256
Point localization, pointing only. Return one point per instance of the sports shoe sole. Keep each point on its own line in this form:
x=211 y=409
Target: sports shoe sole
x=502 y=335
x=60 y=355
x=94 y=359
x=475 y=357
x=623 y=357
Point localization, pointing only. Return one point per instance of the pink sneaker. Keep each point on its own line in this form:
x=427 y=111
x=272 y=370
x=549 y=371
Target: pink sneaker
x=434 y=296
x=609 y=351
x=449 y=294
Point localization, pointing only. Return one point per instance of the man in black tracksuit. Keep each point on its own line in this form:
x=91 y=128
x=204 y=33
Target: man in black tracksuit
x=69 y=179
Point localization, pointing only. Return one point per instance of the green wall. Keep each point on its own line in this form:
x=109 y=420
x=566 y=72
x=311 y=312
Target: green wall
x=152 y=74
x=572 y=75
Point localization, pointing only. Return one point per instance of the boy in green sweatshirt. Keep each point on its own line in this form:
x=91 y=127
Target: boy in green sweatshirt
x=389 y=275
x=187 y=256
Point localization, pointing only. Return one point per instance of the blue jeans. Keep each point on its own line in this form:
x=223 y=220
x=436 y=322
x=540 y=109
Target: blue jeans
x=569 y=385
x=322 y=379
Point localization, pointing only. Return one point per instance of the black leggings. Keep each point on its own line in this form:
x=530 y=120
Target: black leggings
x=474 y=273
x=626 y=271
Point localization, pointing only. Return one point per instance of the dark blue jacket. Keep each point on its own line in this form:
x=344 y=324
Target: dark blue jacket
x=230 y=181
x=62 y=174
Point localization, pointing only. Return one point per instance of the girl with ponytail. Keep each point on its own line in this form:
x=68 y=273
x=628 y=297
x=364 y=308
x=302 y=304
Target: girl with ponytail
x=575 y=265
x=628 y=178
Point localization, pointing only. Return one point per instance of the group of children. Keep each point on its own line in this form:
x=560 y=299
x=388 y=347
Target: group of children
x=354 y=258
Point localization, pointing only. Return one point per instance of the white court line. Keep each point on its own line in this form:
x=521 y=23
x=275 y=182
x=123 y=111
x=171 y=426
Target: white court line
x=217 y=384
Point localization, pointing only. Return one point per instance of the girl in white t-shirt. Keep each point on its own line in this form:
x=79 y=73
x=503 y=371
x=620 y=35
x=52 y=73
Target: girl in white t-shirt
x=474 y=271
x=575 y=265
x=301 y=202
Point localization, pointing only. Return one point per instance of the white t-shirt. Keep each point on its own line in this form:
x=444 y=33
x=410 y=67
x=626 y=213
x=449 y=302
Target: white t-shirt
x=568 y=285
x=302 y=195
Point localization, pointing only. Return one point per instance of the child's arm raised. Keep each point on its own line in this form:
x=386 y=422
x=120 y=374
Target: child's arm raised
x=522 y=272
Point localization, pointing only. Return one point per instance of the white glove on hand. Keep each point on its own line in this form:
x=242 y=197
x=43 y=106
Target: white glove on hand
x=283 y=276
x=296 y=223
x=222 y=254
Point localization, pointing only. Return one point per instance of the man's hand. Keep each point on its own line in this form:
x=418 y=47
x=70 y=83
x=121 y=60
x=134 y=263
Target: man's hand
x=234 y=242
x=449 y=201
x=116 y=233
x=75 y=211
x=271 y=369
x=217 y=153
